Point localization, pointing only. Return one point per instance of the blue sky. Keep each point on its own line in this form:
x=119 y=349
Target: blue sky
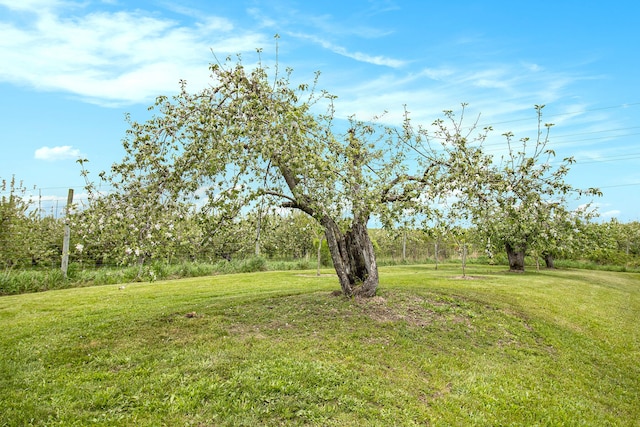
x=70 y=70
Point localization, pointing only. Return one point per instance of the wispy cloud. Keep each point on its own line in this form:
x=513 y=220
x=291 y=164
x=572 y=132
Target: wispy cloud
x=324 y=29
x=112 y=58
x=497 y=91
x=132 y=56
x=52 y=154
x=610 y=214
x=382 y=6
x=500 y=95
x=358 y=56
x=326 y=23
x=30 y=5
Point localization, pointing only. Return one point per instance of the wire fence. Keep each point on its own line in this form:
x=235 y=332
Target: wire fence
x=51 y=201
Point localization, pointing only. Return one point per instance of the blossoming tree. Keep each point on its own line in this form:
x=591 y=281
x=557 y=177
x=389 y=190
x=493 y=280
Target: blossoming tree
x=521 y=198
x=251 y=135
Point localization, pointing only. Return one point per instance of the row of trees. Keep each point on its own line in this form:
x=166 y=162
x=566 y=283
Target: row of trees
x=30 y=238
x=26 y=237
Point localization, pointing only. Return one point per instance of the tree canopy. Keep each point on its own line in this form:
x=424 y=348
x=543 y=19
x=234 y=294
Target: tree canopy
x=250 y=136
x=522 y=201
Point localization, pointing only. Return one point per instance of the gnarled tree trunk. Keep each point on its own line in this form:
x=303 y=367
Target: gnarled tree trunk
x=548 y=260
x=516 y=257
x=353 y=258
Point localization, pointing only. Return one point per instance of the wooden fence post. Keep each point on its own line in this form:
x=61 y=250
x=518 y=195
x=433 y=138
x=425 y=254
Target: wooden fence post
x=67 y=235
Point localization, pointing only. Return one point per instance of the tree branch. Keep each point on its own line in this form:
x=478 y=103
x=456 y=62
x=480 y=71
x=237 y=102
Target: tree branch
x=386 y=197
x=291 y=203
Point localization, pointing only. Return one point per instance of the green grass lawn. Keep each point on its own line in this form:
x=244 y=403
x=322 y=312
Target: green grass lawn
x=277 y=348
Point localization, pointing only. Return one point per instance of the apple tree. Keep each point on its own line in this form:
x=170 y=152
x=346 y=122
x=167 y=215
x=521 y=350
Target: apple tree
x=521 y=198
x=252 y=134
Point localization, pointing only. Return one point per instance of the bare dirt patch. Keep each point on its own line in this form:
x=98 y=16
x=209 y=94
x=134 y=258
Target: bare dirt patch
x=414 y=309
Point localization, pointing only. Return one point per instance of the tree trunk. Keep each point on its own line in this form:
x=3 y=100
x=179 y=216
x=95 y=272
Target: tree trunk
x=464 y=260
x=353 y=258
x=404 y=246
x=319 y=255
x=516 y=258
x=548 y=260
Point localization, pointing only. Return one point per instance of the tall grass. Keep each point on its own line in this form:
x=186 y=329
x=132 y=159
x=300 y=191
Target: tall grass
x=591 y=265
x=14 y=282
x=18 y=281
x=37 y=280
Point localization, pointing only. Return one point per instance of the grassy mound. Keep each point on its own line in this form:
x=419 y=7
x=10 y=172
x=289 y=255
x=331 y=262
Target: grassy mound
x=278 y=348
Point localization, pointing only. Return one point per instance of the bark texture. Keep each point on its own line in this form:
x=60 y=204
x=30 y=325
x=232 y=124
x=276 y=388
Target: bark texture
x=548 y=260
x=353 y=258
x=516 y=258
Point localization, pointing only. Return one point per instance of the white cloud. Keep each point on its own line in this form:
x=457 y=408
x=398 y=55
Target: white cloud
x=589 y=156
x=375 y=60
x=52 y=154
x=358 y=56
x=503 y=93
x=599 y=208
x=610 y=214
x=132 y=56
x=427 y=93
x=28 y=5
x=533 y=67
x=113 y=58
